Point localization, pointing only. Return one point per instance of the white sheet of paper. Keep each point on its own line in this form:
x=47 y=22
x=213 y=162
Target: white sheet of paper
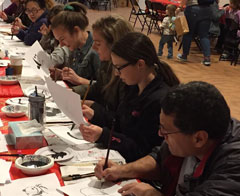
x=72 y=137
x=38 y=60
x=4 y=63
x=44 y=185
x=91 y=186
x=1 y=124
x=3 y=143
x=67 y=101
x=4 y=170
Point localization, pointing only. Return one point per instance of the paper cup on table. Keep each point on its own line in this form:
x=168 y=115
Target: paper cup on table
x=16 y=64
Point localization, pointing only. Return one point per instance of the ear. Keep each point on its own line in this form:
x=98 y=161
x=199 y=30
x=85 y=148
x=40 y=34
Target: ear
x=200 y=138
x=141 y=63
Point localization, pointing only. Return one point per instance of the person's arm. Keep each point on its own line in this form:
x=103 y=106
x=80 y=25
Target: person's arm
x=144 y=168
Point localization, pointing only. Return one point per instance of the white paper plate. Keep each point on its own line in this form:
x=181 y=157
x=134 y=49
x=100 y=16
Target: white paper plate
x=8 y=80
x=14 y=110
x=22 y=101
x=67 y=153
x=40 y=89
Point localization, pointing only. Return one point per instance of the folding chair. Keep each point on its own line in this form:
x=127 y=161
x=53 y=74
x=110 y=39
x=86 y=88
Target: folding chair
x=136 y=14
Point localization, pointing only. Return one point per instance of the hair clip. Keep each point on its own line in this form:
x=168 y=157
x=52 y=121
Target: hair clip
x=68 y=8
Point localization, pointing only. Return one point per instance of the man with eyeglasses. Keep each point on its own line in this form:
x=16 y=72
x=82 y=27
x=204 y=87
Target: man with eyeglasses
x=201 y=152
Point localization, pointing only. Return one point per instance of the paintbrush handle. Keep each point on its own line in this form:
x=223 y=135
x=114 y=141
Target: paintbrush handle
x=86 y=93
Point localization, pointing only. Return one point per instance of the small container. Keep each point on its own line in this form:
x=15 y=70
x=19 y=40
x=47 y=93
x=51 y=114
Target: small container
x=37 y=107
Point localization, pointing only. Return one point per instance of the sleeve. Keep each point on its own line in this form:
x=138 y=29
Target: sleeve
x=45 y=42
x=11 y=9
x=142 y=136
x=21 y=34
x=10 y=19
x=164 y=23
x=32 y=33
x=59 y=56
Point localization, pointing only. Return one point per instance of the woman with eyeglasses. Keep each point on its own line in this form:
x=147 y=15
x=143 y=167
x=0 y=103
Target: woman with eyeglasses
x=136 y=121
x=36 y=11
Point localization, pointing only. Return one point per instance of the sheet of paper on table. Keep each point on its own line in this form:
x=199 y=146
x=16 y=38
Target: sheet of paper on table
x=71 y=137
x=3 y=143
x=4 y=171
x=40 y=185
x=38 y=60
x=91 y=186
x=67 y=101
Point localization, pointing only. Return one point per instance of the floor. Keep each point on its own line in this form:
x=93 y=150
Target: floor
x=225 y=77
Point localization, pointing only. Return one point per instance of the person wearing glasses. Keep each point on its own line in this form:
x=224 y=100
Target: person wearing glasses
x=36 y=11
x=134 y=132
x=200 y=154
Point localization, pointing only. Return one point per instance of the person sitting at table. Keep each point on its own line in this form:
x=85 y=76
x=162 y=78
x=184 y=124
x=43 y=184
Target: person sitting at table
x=168 y=31
x=13 y=11
x=69 y=28
x=107 y=91
x=137 y=118
x=200 y=155
x=58 y=55
x=36 y=11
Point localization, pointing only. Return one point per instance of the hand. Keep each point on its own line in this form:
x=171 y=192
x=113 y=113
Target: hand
x=44 y=30
x=90 y=133
x=3 y=15
x=70 y=75
x=87 y=112
x=112 y=173
x=177 y=11
x=139 y=189
x=18 y=22
x=54 y=72
x=15 y=29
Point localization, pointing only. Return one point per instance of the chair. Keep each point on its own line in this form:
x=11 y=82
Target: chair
x=156 y=13
x=136 y=14
x=231 y=41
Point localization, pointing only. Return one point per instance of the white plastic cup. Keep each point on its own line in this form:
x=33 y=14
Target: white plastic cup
x=16 y=64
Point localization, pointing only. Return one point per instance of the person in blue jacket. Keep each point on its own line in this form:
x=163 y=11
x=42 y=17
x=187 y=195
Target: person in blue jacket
x=36 y=11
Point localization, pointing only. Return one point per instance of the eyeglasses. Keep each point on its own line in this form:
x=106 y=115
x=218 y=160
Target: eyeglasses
x=33 y=11
x=121 y=67
x=165 y=133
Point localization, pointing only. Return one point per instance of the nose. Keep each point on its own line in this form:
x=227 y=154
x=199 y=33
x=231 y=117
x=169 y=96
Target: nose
x=94 y=46
x=61 y=43
x=116 y=72
x=160 y=134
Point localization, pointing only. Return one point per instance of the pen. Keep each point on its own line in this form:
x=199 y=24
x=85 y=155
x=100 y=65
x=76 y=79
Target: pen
x=77 y=176
x=105 y=166
x=55 y=74
x=85 y=95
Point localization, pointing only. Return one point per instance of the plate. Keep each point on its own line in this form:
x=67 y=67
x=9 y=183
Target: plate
x=14 y=110
x=8 y=80
x=22 y=101
x=40 y=89
x=58 y=153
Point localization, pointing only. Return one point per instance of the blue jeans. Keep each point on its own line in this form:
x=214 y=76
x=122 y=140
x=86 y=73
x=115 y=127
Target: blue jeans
x=198 y=18
x=166 y=39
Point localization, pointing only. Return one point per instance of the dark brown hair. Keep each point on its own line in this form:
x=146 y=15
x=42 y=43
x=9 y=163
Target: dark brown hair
x=74 y=14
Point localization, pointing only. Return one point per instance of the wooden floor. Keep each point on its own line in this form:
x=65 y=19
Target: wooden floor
x=225 y=77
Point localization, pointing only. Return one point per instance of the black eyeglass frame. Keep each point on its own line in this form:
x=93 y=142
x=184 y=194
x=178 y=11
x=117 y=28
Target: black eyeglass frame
x=166 y=133
x=121 y=67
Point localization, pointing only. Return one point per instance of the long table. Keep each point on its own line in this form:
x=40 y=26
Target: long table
x=166 y=2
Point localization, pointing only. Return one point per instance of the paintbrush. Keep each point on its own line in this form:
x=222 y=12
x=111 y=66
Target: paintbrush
x=12 y=155
x=55 y=75
x=77 y=176
x=105 y=166
x=86 y=93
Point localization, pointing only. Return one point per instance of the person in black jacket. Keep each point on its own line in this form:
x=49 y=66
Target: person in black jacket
x=200 y=155
x=137 y=118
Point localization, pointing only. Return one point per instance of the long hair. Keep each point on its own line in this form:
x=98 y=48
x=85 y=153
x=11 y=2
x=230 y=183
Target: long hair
x=112 y=28
x=135 y=46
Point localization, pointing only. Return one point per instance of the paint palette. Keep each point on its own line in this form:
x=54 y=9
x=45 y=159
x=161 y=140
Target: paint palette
x=21 y=101
x=8 y=80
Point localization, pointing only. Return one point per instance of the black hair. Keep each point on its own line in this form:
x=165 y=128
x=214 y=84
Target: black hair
x=41 y=3
x=198 y=106
x=54 y=11
x=135 y=46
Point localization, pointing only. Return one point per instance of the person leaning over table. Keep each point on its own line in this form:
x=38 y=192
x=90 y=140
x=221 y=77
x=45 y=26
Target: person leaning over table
x=107 y=91
x=137 y=118
x=58 y=55
x=196 y=125
x=70 y=29
x=36 y=11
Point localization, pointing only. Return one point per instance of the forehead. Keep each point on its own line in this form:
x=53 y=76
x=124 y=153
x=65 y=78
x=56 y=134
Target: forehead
x=61 y=31
x=32 y=4
x=97 y=35
x=167 y=120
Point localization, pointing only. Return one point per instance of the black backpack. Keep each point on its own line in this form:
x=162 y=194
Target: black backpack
x=205 y=2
